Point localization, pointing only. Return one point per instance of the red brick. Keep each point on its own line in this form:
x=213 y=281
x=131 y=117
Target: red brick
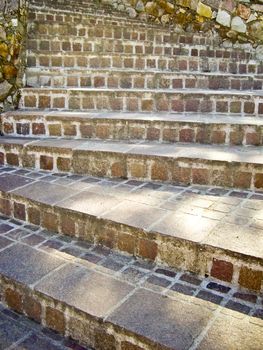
x=70 y=130
x=236 y=137
x=182 y=175
x=258 y=182
x=222 y=106
x=253 y=138
x=200 y=176
x=55 y=320
x=13 y=299
x=102 y=131
x=12 y=159
x=192 y=105
x=153 y=134
x=148 y=249
x=86 y=130
x=170 y=135
x=218 y=137
x=8 y=128
x=19 y=211
x=46 y=162
x=147 y=105
x=242 y=179
x=159 y=171
x=249 y=107
x=186 y=135
x=249 y=278
x=5 y=206
x=137 y=133
x=178 y=105
x=38 y=129
x=222 y=270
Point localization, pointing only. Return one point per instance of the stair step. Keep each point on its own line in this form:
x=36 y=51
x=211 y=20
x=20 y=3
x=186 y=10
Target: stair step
x=159 y=127
x=149 y=220
x=72 y=77
x=96 y=296
x=145 y=100
x=186 y=163
x=141 y=62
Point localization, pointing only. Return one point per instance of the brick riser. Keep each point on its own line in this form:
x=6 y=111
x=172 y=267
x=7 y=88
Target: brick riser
x=133 y=80
x=169 y=131
x=173 y=251
x=135 y=162
x=143 y=101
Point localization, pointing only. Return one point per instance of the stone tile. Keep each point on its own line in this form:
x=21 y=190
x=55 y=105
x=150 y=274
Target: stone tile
x=9 y=182
x=166 y=272
x=26 y=265
x=86 y=290
x=218 y=287
x=90 y=203
x=192 y=279
x=135 y=214
x=10 y=332
x=132 y=275
x=44 y=192
x=238 y=307
x=245 y=240
x=182 y=288
x=145 y=311
x=186 y=226
x=4 y=242
x=156 y=283
x=35 y=341
x=5 y=228
x=232 y=333
x=211 y=297
x=33 y=239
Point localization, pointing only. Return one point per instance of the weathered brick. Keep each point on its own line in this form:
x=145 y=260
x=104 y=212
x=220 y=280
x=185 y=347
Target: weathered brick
x=186 y=135
x=222 y=270
x=102 y=131
x=13 y=299
x=126 y=243
x=86 y=130
x=200 y=176
x=218 y=136
x=5 y=206
x=253 y=138
x=138 y=169
x=236 y=137
x=30 y=101
x=242 y=179
x=249 y=278
x=181 y=175
x=12 y=159
x=70 y=130
x=19 y=211
x=159 y=171
x=118 y=169
x=68 y=225
x=153 y=134
x=55 y=320
x=170 y=135
x=46 y=162
x=32 y=308
x=148 y=249
x=50 y=221
x=54 y=129
x=64 y=164
x=22 y=128
x=8 y=128
x=33 y=215
x=38 y=129
x=129 y=346
x=258 y=182
x=44 y=102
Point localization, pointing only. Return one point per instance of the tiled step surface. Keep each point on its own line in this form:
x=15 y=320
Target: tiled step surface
x=141 y=62
x=18 y=332
x=119 y=78
x=145 y=100
x=161 y=127
x=113 y=291
x=182 y=163
x=164 y=223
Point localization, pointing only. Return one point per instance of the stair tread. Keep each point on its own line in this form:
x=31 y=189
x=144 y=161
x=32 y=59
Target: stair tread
x=119 y=290
x=161 y=116
x=221 y=153
x=194 y=213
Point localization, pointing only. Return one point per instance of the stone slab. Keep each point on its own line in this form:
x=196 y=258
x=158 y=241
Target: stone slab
x=84 y=289
x=25 y=264
x=9 y=182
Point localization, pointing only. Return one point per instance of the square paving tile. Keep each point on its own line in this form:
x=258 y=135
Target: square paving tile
x=90 y=203
x=145 y=311
x=86 y=290
x=9 y=182
x=10 y=332
x=4 y=242
x=45 y=192
x=191 y=227
x=26 y=265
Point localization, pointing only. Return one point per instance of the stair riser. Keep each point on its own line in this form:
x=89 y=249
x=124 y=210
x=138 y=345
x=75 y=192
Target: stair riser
x=150 y=62
x=136 y=166
x=139 y=242
x=142 y=80
x=105 y=129
x=142 y=101
x=69 y=321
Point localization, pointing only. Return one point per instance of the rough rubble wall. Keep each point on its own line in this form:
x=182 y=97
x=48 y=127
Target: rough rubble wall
x=12 y=35
x=236 y=21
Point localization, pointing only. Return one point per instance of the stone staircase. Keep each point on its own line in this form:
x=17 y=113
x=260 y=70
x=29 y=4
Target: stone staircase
x=132 y=184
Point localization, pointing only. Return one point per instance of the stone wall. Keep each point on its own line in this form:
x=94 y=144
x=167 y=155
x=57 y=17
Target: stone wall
x=12 y=62
x=236 y=21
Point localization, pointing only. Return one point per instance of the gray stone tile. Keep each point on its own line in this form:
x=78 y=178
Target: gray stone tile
x=191 y=227
x=171 y=323
x=90 y=203
x=10 y=332
x=9 y=182
x=45 y=192
x=232 y=333
x=26 y=265
x=4 y=242
x=35 y=341
x=86 y=290
x=5 y=228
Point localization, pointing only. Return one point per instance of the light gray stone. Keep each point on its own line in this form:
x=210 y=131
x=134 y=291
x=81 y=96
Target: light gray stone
x=223 y=18
x=5 y=88
x=238 y=25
